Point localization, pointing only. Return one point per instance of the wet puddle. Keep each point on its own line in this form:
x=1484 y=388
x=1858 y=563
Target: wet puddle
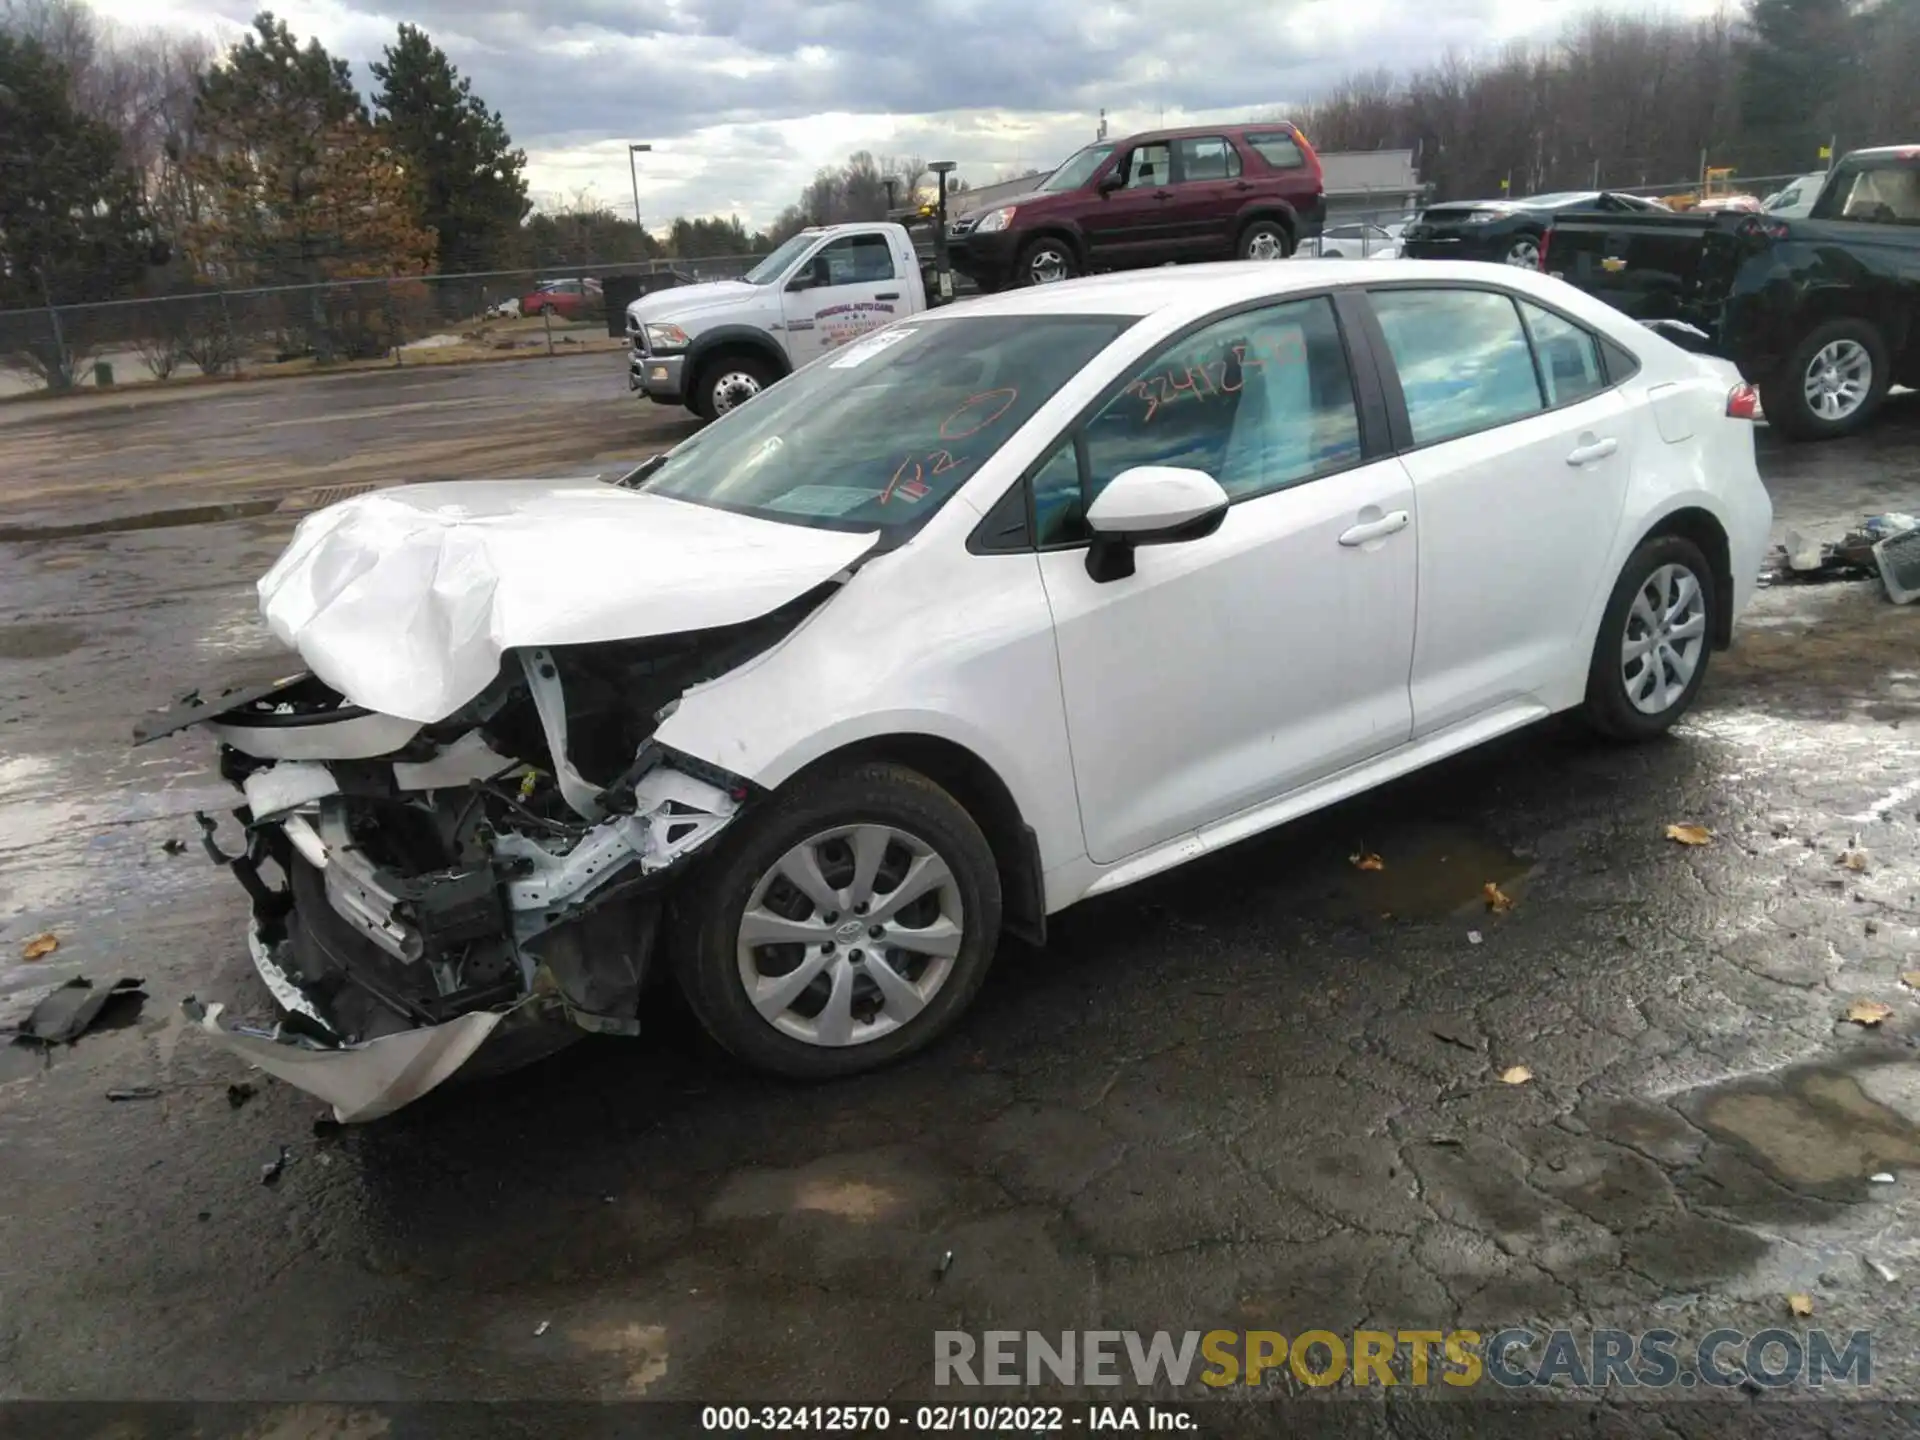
x=1428 y=871
x=1821 y=1125
x=39 y=641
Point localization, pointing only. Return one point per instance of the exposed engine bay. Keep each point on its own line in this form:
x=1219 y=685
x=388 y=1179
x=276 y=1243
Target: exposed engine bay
x=419 y=890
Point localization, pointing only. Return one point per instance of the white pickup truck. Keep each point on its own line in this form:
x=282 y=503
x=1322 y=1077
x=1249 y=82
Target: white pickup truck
x=710 y=347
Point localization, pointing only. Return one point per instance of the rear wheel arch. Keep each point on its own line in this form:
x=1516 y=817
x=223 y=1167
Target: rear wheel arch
x=980 y=791
x=1704 y=529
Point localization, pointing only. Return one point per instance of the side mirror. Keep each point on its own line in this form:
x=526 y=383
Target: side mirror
x=1111 y=181
x=1150 y=505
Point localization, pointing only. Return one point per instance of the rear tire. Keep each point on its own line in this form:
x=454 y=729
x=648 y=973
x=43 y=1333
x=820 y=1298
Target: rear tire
x=1523 y=251
x=1264 y=240
x=1832 y=383
x=1656 y=635
x=717 y=961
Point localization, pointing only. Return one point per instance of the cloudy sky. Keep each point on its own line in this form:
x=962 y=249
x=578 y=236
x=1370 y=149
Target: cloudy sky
x=743 y=100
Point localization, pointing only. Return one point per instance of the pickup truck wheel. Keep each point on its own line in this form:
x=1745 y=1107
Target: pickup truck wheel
x=1832 y=383
x=1655 y=637
x=1265 y=240
x=728 y=382
x=1045 y=261
x=842 y=925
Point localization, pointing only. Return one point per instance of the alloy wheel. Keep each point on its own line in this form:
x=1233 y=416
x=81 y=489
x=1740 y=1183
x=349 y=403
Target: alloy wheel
x=1839 y=379
x=1665 y=635
x=850 y=935
x=1525 y=254
x=1048 y=265
x=734 y=388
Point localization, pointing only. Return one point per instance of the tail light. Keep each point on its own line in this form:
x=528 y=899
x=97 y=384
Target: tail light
x=1743 y=402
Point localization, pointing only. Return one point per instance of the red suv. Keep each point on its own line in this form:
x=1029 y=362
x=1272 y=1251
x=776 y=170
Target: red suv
x=1213 y=192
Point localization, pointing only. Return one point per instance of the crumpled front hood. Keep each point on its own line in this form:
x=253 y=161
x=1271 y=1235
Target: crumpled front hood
x=403 y=600
x=683 y=300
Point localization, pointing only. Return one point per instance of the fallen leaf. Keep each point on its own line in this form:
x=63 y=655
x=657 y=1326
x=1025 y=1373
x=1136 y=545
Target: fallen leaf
x=1911 y=979
x=1868 y=1012
x=1366 y=860
x=1690 y=834
x=1515 y=1075
x=40 y=946
x=1800 y=1304
x=1498 y=901
x=1853 y=859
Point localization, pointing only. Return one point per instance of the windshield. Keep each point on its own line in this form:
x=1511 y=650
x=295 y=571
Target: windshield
x=775 y=265
x=878 y=435
x=1077 y=171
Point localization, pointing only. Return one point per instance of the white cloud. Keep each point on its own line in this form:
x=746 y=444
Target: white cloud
x=744 y=99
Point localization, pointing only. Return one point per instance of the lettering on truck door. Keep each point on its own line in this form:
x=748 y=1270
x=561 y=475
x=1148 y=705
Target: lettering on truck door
x=852 y=285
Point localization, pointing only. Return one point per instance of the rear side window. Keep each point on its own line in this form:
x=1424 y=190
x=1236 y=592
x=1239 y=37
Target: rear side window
x=1569 y=357
x=1463 y=360
x=1206 y=157
x=1278 y=148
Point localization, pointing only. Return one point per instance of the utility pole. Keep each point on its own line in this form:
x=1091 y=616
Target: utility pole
x=633 y=174
x=943 y=272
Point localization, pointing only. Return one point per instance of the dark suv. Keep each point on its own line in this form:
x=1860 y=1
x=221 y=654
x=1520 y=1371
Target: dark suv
x=1209 y=193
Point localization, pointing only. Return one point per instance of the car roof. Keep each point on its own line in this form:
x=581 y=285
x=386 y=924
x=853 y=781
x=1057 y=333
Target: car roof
x=1201 y=289
x=1261 y=127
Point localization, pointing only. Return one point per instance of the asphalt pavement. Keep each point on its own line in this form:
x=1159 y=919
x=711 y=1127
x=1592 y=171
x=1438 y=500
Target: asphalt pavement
x=1262 y=1092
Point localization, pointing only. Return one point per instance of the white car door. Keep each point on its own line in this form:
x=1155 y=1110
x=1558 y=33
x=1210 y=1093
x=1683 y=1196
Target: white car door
x=1232 y=668
x=1520 y=455
x=850 y=285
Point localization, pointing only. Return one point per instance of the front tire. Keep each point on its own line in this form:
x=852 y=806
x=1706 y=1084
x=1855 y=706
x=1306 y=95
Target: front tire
x=846 y=924
x=728 y=382
x=1523 y=251
x=1832 y=383
x=1046 y=260
x=1650 y=656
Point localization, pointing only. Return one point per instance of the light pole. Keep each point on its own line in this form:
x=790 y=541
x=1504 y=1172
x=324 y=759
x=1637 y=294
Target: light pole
x=942 y=269
x=633 y=174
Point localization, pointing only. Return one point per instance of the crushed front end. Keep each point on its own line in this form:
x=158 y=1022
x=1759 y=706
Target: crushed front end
x=470 y=893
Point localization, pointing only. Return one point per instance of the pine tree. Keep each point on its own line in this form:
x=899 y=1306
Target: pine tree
x=1797 y=71
x=72 y=228
x=469 y=178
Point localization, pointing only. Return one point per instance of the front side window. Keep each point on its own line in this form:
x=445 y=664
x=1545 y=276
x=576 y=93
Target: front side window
x=1149 y=166
x=882 y=433
x=1259 y=401
x=1207 y=157
x=1463 y=360
x=1569 y=356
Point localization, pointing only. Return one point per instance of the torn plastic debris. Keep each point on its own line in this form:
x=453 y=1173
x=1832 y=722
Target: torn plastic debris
x=361 y=1082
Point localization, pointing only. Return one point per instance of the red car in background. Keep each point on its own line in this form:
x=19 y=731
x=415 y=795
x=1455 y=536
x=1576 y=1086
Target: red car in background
x=1211 y=192
x=566 y=300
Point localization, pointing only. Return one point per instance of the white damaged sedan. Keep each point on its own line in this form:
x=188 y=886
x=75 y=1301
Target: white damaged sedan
x=992 y=610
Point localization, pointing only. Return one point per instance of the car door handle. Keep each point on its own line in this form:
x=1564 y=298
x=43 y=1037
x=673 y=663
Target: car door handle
x=1243 y=185
x=1389 y=524
x=1163 y=194
x=888 y=295
x=1591 y=450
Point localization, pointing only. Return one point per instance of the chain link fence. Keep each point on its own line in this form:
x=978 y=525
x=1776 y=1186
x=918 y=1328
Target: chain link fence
x=208 y=329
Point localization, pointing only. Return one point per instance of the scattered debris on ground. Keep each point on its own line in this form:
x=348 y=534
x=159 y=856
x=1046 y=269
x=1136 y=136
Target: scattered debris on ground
x=68 y=1011
x=40 y=946
x=271 y=1170
x=1868 y=1012
x=1801 y=1305
x=173 y=845
x=1885 y=548
x=1884 y=1177
x=1515 y=1075
x=1498 y=901
x=135 y=1092
x=240 y=1093
x=1474 y=937
x=541 y=1328
x=1855 y=860
x=1366 y=860
x=1690 y=834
